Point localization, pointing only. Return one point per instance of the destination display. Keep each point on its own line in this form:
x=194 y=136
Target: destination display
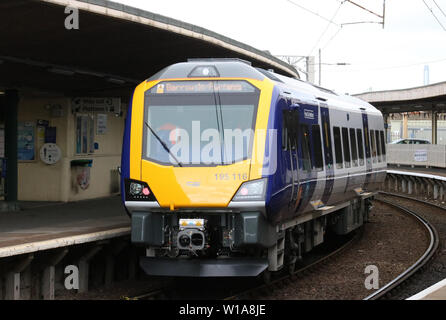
x=182 y=87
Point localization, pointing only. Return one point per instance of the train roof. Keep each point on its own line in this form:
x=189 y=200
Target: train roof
x=237 y=68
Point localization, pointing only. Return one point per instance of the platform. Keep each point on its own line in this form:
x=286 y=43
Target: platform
x=43 y=226
x=434 y=292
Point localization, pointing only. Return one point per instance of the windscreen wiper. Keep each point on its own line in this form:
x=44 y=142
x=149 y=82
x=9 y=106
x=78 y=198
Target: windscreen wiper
x=163 y=144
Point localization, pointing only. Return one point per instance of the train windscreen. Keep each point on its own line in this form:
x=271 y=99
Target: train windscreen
x=200 y=122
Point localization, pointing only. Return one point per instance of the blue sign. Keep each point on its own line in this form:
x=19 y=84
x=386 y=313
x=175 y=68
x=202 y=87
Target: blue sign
x=26 y=141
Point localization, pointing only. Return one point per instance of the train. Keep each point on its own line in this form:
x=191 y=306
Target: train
x=229 y=170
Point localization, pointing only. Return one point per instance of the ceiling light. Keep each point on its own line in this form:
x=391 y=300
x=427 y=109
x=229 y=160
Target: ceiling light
x=115 y=81
x=61 y=71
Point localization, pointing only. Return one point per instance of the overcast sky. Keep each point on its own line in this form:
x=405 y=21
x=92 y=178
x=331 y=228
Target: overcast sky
x=379 y=59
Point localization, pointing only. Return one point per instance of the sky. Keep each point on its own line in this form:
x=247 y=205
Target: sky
x=377 y=58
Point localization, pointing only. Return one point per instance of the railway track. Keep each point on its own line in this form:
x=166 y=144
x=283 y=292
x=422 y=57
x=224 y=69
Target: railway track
x=434 y=242
x=254 y=292
x=250 y=293
x=390 y=290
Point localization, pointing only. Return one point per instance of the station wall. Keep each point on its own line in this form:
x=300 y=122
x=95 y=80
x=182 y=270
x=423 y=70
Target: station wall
x=69 y=179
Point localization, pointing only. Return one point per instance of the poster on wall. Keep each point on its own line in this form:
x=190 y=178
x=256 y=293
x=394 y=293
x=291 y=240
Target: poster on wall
x=420 y=155
x=26 y=141
x=101 y=125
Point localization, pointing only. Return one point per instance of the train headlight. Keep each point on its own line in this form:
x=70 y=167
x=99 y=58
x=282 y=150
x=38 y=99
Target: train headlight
x=251 y=190
x=135 y=188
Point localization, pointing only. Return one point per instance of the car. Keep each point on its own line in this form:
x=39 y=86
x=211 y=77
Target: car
x=410 y=141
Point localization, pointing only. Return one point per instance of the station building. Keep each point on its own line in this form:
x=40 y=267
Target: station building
x=67 y=71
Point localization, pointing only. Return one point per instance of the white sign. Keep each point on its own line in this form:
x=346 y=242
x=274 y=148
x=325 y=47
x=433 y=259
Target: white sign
x=308 y=114
x=50 y=153
x=101 y=125
x=420 y=155
x=80 y=105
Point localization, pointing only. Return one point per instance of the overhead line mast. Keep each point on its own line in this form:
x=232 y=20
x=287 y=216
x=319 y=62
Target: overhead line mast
x=382 y=16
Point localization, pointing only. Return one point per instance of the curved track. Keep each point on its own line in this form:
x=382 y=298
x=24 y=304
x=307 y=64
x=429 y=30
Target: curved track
x=422 y=261
x=282 y=280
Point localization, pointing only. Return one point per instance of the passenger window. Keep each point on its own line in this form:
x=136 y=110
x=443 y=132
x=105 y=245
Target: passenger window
x=372 y=142
x=360 y=147
x=378 y=145
x=353 y=147
x=367 y=142
x=305 y=140
x=338 y=149
x=346 y=146
x=383 y=145
x=288 y=131
x=317 y=144
x=284 y=132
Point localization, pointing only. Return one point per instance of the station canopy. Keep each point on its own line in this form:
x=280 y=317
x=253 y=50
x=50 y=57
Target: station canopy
x=115 y=48
x=430 y=97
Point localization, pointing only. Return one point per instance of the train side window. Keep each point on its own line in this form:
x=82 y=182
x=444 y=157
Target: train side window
x=378 y=145
x=284 y=132
x=305 y=140
x=338 y=148
x=360 y=146
x=383 y=145
x=294 y=124
x=317 y=144
x=354 y=148
x=346 y=146
x=373 y=145
x=367 y=142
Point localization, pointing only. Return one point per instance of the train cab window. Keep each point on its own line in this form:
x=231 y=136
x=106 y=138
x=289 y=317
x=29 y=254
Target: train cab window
x=317 y=144
x=360 y=147
x=305 y=142
x=346 y=146
x=383 y=145
x=338 y=148
x=354 y=148
x=373 y=144
x=378 y=145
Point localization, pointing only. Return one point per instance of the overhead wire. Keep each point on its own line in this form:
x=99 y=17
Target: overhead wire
x=327 y=27
x=439 y=8
x=312 y=12
x=432 y=12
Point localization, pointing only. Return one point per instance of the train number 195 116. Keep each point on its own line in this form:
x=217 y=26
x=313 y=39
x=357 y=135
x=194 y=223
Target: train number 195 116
x=231 y=176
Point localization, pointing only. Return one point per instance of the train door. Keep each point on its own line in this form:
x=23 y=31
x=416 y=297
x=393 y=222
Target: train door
x=291 y=119
x=307 y=171
x=328 y=153
x=368 y=161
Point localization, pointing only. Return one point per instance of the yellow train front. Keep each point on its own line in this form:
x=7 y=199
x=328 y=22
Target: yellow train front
x=188 y=169
x=200 y=174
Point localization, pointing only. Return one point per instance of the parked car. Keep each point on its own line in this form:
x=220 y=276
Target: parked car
x=410 y=141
